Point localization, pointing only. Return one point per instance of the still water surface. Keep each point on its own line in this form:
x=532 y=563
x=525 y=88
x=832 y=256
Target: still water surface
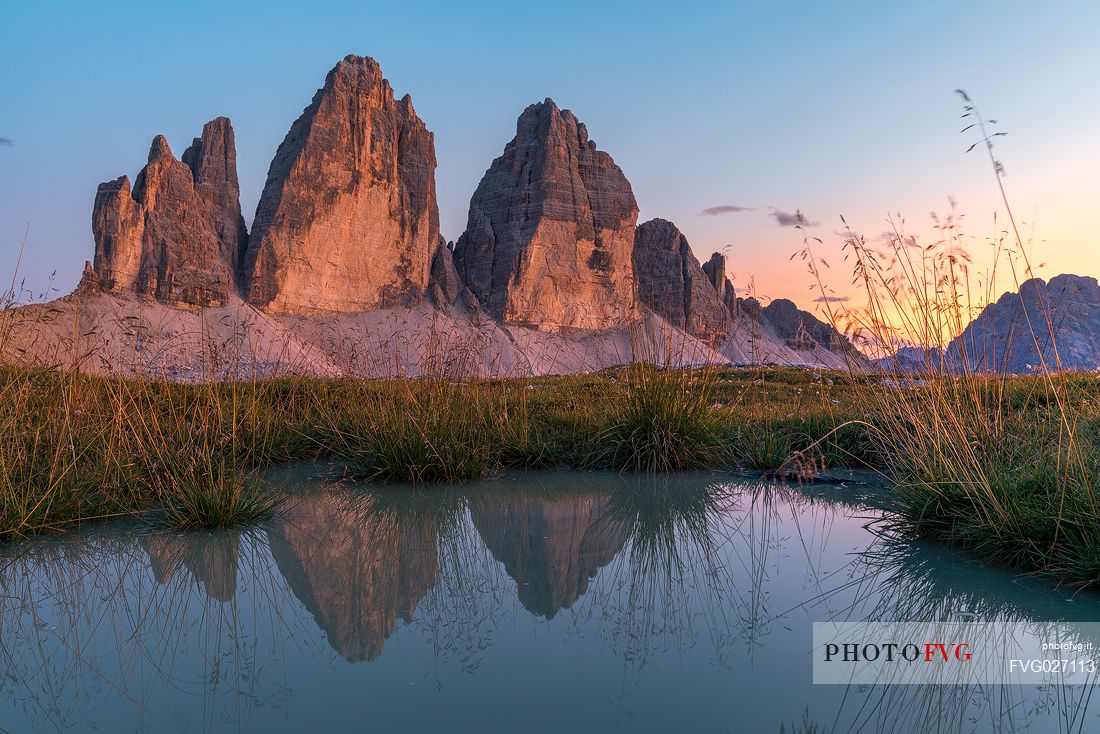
x=535 y=602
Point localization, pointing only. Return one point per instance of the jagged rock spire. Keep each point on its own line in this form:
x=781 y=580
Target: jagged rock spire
x=348 y=219
x=551 y=228
x=178 y=234
x=673 y=284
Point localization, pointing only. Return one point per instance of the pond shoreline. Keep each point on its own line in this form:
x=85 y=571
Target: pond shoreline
x=85 y=447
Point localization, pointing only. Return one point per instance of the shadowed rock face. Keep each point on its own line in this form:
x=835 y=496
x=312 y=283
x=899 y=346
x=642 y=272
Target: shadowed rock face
x=715 y=269
x=355 y=572
x=801 y=329
x=552 y=548
x=178 y=234
x=1001 y=340
x=445 y=286
x=348 y=219
x=551 y=228
x=672 y=283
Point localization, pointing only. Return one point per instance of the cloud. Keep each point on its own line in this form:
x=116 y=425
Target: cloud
x=831 y=299
x=714 y=211
x=798 y=219
x=5 y=141
x=892 y=238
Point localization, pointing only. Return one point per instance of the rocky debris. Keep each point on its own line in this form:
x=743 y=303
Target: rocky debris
x=551 y=229
x=1000 y=339
x=913 y=360
x=551 y=547
x=348 y=219
x=178 y=234
x=671 y=282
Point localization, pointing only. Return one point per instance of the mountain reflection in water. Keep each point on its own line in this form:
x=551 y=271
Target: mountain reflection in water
x=355 y=569
x=551 y=546
x=649 y=603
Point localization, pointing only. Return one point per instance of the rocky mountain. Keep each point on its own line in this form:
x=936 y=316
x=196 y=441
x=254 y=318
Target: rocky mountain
x=801 y=329
x=178 y=234
x=551 y=228
x=715 y=269
x=345 y=271
x=701 y=300
x=1045 y=324
x=671 y=282
x=348 y=219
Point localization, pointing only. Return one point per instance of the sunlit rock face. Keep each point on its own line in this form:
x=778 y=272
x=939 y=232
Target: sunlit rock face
x=552 y=548
x=673 y=284
x=348 y=219
x=1046 y=325
x=551 y=228
x=178 y=234
x=356 y=571
x=211 y=559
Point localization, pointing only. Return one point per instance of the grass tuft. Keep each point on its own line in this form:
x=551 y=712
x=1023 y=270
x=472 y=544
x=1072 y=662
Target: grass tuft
x=206 y=492
x=663 y=420
x=420 y=431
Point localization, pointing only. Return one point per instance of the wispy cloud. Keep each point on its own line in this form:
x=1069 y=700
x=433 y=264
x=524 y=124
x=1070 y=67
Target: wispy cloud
x=715 y=211
x=892 y=238
x=798 y=219
x=831 y=299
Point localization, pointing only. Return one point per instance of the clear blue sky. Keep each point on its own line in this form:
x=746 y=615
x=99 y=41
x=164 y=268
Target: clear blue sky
x=834 y=108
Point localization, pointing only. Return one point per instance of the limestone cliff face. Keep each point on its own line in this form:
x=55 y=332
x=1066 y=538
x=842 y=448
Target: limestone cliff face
x=354 y=570
x=551 y=228
x=673 y=284
x=348 y=219
x=551 y=547
x=178 y=234
x=444 y=285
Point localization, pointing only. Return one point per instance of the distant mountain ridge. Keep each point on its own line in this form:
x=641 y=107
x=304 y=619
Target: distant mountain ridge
x=1043 y=326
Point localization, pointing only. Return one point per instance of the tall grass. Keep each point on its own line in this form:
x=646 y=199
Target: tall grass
x=424 y=430
x=1004 y=465
x=192 y=445
x=662 y=420
x=82 y=447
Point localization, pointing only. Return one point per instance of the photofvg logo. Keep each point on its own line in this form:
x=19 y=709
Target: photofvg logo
x=954 y=653
x=928 y=652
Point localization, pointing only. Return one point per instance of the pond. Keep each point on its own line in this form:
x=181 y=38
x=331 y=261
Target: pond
x=538 y=602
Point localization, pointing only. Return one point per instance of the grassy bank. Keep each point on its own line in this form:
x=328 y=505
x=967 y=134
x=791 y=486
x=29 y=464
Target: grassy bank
x=977 y=460
x=80 y=446
x=1007 y=468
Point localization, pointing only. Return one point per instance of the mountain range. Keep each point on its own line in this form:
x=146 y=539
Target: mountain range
x=344 y=270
